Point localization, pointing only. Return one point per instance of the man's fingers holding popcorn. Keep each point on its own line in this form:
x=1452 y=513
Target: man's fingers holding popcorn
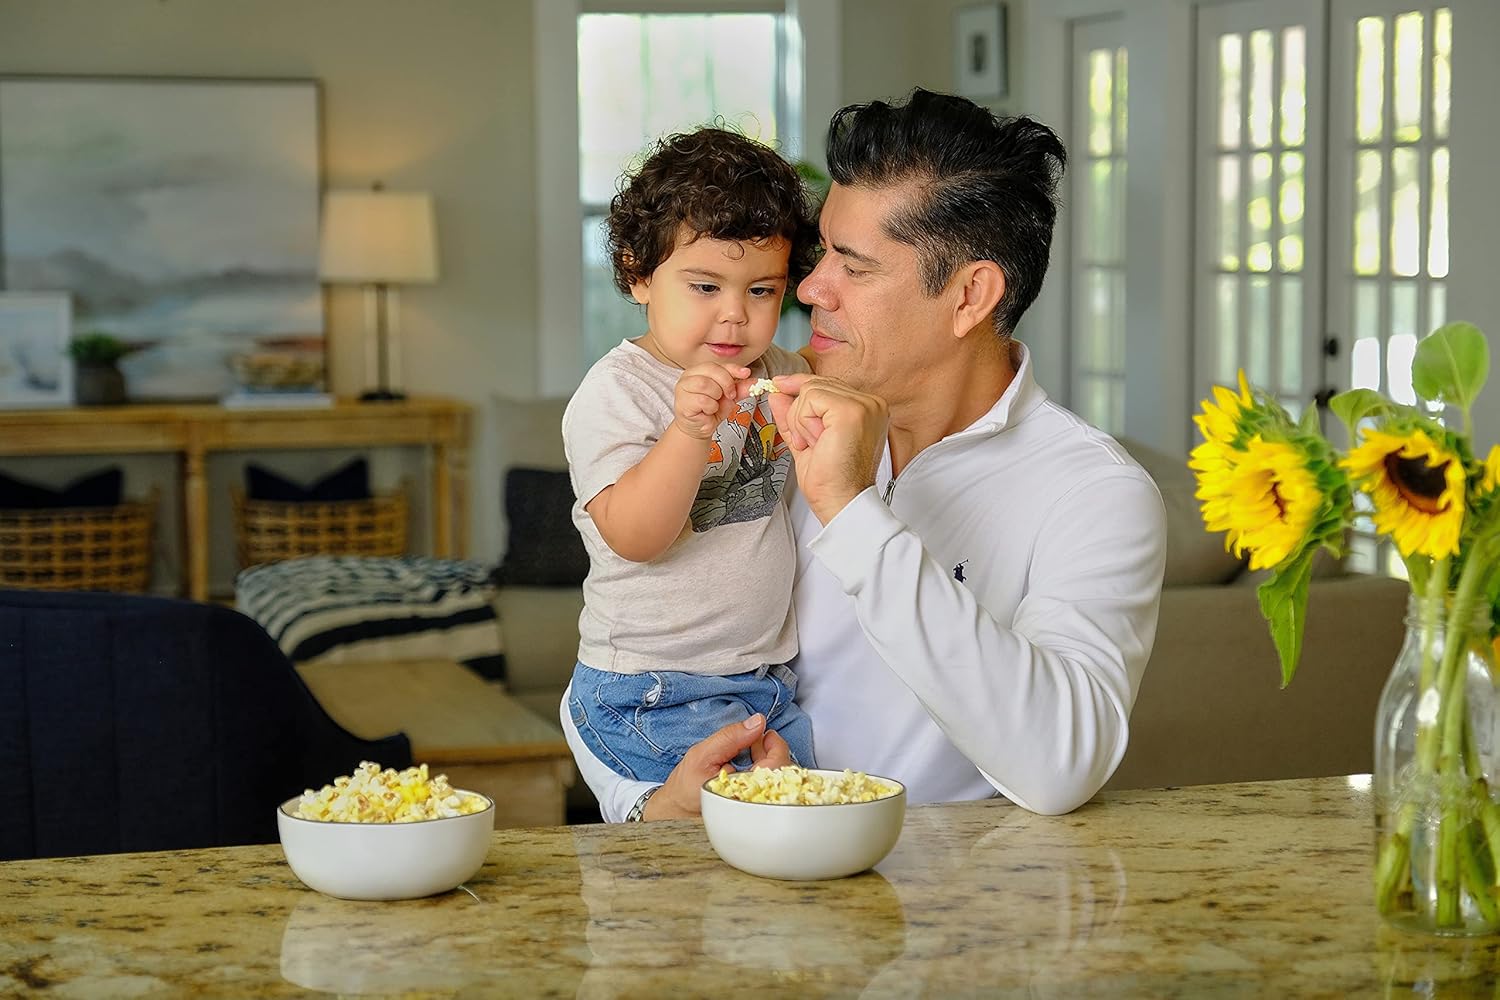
x=836 y=433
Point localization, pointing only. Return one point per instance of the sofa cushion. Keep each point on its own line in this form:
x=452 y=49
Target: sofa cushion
x=1194 y=556
x=97 y=489
x=352 y=609
x=544 y=549
x=350 y=481
x=529 y=433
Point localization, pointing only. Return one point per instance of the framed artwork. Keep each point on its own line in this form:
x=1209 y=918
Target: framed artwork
x=181 y=215
x=979 y=51
x=35 y=369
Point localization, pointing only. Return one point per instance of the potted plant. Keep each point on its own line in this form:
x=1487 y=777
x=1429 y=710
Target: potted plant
x=97 y=377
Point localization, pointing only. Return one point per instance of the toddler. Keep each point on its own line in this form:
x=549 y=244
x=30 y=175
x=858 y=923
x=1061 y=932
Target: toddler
x=677 y=467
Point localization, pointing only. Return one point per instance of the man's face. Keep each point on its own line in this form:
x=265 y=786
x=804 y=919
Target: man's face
x=714 y=300
x=873 y=324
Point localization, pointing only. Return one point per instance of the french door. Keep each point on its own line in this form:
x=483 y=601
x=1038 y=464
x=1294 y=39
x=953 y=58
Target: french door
x=1322 y=236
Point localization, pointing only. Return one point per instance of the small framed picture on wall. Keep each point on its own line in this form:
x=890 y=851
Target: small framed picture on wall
x=979 y=51
x=34 y=367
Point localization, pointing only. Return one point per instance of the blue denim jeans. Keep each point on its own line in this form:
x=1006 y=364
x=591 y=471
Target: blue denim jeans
x=640 y=725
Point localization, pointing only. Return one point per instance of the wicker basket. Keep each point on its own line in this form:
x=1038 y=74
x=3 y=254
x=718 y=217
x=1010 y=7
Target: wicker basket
x=79 y=548
x=271 y=530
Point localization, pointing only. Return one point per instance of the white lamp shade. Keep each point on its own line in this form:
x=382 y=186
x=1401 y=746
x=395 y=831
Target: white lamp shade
x=378 y=237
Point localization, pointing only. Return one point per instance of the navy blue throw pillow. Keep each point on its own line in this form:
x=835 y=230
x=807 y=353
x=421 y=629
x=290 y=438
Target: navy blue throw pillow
x=97 y=489
x=544 y=549
x=350 y=481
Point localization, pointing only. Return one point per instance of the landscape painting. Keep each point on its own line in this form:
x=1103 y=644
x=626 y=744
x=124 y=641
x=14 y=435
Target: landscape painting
x=180 y=215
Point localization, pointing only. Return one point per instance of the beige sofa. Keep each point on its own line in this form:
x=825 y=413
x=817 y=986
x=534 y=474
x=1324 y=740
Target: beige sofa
x=1210 y=707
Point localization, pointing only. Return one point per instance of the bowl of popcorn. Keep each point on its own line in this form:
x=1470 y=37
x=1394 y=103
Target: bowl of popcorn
x=386 y=834
x=802 y=824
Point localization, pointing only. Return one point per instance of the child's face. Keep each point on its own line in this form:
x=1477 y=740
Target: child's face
x=714 y=300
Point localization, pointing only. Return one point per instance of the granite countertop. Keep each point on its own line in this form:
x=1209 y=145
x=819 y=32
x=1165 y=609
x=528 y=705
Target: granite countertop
x=1241 y=890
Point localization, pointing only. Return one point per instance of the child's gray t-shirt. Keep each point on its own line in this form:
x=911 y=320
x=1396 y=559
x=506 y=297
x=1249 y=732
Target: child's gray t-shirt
x=718 y=600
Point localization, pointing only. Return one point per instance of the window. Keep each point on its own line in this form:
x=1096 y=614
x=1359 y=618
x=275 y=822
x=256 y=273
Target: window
x=641 y=76
x=1097 y=192
x=1260 y=157
x=1394 y=176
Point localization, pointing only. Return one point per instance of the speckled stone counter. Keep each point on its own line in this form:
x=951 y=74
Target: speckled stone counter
x=1235 y=890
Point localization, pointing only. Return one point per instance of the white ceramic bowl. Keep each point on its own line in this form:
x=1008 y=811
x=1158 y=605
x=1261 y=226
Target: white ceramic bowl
x=804 y=843
x=385 y=860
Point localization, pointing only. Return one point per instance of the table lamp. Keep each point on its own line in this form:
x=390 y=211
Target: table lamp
x=377 y=239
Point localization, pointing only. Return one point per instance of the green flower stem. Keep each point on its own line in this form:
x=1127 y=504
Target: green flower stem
x=1452 y=715
x=1430 y=611
x=1474 y=880
x=1489 y=813
x=1391 y=868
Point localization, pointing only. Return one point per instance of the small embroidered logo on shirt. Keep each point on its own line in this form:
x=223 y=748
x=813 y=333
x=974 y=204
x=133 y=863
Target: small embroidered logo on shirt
x=958 y=571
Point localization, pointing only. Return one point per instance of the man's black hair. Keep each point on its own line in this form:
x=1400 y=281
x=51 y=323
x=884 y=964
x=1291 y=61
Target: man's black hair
x=985 y=186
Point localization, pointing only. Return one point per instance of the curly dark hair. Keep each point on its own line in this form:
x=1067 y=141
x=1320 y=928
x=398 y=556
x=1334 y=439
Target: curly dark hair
x=986 y=186
x=719 y=184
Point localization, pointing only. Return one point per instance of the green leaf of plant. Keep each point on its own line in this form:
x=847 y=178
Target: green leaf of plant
x=1451 y=365
x=1283 y=602
x=1355 y=405
x=1310 y=422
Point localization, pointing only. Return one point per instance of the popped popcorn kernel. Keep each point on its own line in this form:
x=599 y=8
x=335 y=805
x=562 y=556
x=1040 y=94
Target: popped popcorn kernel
x=373 y=795
x=797 y=786
x=763 y=386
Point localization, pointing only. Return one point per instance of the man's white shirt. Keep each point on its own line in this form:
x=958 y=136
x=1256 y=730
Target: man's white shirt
x=983 y=622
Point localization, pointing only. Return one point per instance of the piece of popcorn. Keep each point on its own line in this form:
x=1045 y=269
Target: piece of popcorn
x=763 y=386
x=796 y=786
x=373 y=795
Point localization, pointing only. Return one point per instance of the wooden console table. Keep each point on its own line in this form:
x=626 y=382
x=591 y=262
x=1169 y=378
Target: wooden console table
x=194 y=430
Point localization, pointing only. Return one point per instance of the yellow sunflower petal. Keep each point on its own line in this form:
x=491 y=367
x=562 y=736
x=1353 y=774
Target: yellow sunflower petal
x=1491 y=471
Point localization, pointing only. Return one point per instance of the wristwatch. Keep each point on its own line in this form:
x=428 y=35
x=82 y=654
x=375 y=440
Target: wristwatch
x=638 y=811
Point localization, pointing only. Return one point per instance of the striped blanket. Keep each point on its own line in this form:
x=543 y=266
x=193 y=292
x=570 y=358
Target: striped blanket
x=348 y=609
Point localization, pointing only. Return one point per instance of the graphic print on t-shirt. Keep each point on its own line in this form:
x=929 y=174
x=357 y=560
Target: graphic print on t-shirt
x=747 y=469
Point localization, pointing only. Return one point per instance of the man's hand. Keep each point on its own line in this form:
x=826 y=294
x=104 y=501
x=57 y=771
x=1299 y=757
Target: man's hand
x=678 y=798
x=705 y=395
x=835 y=434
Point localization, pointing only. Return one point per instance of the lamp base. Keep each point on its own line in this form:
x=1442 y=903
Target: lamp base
x=381 y=396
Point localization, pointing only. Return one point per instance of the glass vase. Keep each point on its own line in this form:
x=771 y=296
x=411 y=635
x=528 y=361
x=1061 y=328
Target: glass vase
x=1436 y=784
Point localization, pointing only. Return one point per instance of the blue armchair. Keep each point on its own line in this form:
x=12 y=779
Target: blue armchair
x=143 y=724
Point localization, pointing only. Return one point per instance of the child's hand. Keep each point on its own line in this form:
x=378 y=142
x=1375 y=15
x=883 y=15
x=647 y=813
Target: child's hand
x=706 y=394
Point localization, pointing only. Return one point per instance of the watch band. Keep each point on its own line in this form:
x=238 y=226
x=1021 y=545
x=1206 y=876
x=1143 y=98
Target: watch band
x=638 y=811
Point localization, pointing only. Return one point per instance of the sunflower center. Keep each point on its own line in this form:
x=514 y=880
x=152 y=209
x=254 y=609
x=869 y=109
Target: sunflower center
x=1419 y=484
x=1280 y=503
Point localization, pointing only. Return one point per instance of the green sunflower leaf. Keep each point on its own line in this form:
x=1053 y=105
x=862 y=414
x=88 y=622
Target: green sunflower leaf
x=1355 y=405
x=1283 y=602
x=1451 y=365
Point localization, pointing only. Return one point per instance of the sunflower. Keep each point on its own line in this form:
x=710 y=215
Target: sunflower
x=1266 y=499
x=1222 y=415
x=1417 y=487
x=1491 y=471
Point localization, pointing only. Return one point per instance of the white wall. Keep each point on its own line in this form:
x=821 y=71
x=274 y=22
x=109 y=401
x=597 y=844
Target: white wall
x=1474 y=292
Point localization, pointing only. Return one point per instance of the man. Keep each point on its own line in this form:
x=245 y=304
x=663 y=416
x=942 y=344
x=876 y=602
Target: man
x=979 y=570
